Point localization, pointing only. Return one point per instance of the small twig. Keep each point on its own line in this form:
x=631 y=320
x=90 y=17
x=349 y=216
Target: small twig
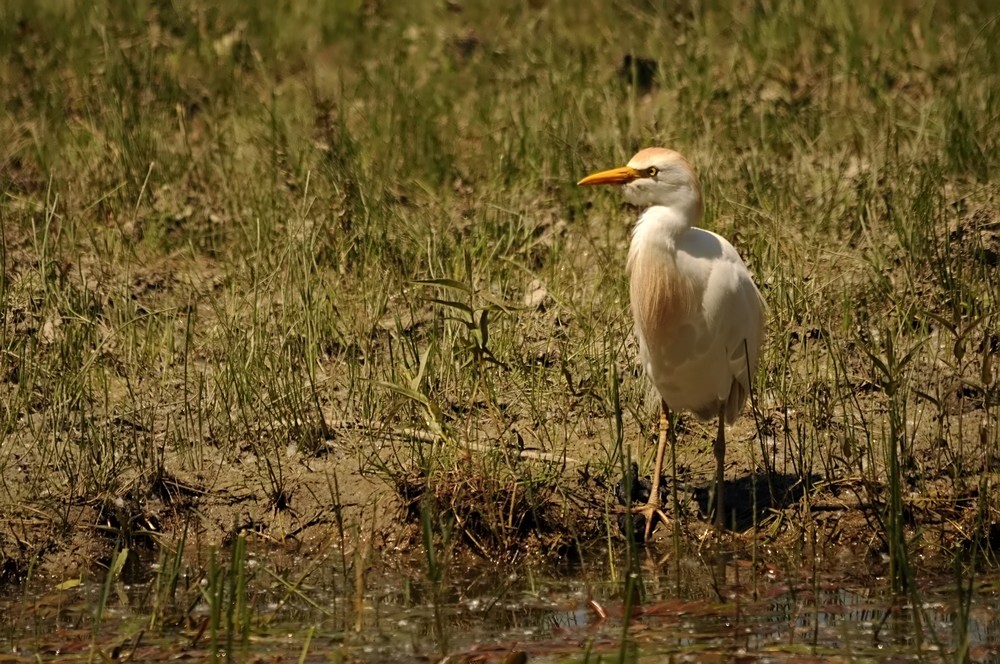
x=419 y=435
x=407 y=433
x=316 y=519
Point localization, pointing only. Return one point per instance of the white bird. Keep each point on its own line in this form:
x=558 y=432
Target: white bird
x=699 y=318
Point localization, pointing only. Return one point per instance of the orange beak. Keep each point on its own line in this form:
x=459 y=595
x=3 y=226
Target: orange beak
x=622 y=175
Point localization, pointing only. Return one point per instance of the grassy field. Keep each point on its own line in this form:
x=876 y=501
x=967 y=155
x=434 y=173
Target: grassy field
x=315 y=271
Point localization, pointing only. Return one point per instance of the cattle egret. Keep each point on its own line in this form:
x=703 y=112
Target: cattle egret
x=699 y=318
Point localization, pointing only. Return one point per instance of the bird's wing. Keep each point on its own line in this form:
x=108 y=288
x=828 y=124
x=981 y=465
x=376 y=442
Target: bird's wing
x=733 y=312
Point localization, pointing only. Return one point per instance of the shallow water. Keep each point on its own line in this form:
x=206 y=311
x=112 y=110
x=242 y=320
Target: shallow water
x=700 y=610
x=714 y=614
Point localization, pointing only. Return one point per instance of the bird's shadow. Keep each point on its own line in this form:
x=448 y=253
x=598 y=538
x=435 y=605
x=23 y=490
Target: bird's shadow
x=749 y=500
x=752 y=499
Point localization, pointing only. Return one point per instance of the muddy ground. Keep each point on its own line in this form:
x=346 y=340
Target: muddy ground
x=337 y=502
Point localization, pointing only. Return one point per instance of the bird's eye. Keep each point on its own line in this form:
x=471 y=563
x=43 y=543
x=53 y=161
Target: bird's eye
x=652 y=171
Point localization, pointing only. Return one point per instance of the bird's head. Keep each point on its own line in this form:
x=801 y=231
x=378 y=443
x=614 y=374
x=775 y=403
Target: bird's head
x=655 y=176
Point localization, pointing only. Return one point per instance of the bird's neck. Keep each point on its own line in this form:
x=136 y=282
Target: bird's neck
x=663 y=225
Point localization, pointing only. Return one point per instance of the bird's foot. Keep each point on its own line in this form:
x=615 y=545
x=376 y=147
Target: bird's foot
x=651 y=513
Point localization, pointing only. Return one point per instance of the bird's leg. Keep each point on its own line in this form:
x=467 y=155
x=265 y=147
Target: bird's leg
x=652 y=507
x=720 y=474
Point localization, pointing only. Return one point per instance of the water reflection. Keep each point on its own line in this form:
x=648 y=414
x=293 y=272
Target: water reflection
x=685 y=608
x=735 y=609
